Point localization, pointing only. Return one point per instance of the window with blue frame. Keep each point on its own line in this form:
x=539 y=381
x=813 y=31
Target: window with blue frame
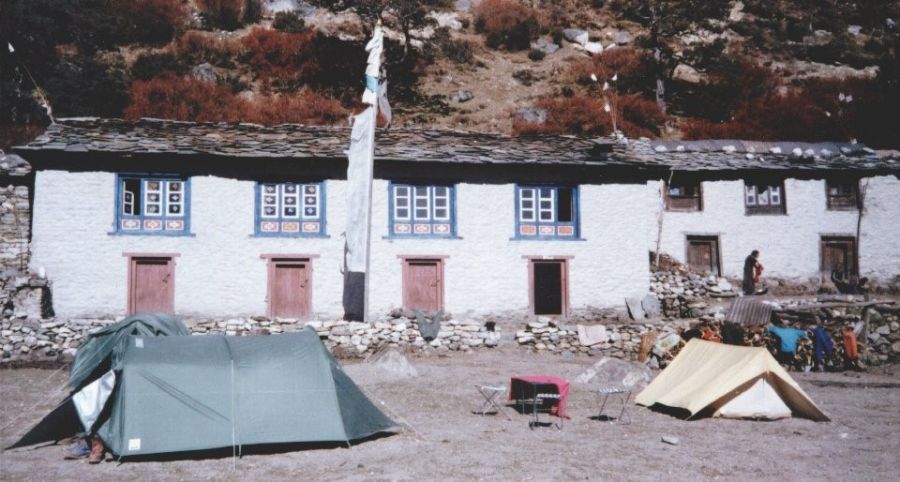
x=417 y=210
x=290 y=209
x=152 y=205
x=547 y=212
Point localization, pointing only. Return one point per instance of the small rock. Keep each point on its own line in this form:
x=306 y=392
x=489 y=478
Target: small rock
x=532 y=115
x=622 y=37
x=576 y=35
x=670 y=440
x=463 y=96
x=205 y=72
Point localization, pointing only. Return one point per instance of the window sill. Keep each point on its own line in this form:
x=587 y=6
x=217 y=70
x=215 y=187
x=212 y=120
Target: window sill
x=152 y=234
x=289 y=235
x=545 y=238
x=421 y=236
x=765 y=214
x=845 y=210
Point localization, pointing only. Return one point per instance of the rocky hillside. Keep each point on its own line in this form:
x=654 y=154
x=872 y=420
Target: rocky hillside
x=756 y=69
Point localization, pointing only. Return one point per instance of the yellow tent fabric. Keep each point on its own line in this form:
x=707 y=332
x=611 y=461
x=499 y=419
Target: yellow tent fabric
x=706 y=375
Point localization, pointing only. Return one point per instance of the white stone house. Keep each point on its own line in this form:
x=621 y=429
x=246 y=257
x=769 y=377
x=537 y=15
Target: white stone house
x=212 y=220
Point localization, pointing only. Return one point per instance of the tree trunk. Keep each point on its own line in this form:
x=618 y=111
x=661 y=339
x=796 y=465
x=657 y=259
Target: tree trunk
x=655 y=19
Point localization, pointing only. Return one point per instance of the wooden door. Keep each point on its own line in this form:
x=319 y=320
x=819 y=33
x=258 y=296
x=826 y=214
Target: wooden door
x=151 y=285
x=839 y=256
x=703 y=254
x=423 y=285
x=549 y=286
x=290 y=293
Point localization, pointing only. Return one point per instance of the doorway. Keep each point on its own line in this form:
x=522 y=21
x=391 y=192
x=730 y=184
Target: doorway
x=549 y=290
x=423 y=284
x=703 y=254
x=290 y=288
x=151 y=284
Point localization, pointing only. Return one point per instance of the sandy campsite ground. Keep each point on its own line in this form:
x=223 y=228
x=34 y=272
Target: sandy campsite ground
x=447 y=441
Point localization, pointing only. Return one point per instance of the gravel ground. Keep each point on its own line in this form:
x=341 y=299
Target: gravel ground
x=442 y=439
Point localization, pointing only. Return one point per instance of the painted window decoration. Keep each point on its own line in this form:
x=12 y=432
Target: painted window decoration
x=418 y=210
x=764 y=198
x=547 y=212
x=290 y=209
x=152 y=205
x=842 y=195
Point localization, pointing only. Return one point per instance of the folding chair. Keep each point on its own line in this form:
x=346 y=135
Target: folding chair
x=490 y=394
x=624 y=393
x=537 y=406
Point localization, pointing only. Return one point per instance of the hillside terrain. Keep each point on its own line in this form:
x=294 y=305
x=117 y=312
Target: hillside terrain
x=754 y=69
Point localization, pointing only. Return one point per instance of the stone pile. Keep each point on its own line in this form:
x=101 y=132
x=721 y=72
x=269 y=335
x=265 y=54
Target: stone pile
x=622 y=340
x=686 y=295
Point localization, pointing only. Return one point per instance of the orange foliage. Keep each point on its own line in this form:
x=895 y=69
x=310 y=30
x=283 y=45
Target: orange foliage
x=172 y=97
x=281 y=57
x=584 y=115
x=507 y=23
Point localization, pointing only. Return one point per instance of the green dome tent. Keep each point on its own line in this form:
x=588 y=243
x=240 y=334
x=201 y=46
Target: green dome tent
x=192 y=393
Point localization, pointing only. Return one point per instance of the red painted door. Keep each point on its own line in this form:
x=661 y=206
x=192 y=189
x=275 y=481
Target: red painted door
x=422 y=288
x=152 y=285
x=289 y=295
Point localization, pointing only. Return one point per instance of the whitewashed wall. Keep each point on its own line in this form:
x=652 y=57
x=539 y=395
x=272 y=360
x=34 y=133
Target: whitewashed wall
x=219 y=271
x=789 y=244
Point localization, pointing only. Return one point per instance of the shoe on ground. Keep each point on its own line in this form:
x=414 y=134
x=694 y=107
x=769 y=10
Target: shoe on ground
x=79 y=450
x=98 y=452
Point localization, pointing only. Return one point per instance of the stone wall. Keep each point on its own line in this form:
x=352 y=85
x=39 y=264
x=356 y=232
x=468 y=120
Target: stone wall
x=15 y=216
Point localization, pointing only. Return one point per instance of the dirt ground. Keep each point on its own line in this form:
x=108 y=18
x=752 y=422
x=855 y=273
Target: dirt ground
x=444 y=440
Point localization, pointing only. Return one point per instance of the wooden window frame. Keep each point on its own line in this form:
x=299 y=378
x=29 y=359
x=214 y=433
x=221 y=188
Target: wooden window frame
x=132 y=258
x=779 y=209
x=274 y=226
x=273 y=259
x=684 y=203
x=564 y=260
x=166 y=224
x=532 y=229
x=850 y=202
x=405 y=259
x=418 y=228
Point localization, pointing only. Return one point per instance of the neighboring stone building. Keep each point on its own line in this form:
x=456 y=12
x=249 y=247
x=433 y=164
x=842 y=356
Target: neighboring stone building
x=15 y=211
x=236 y=220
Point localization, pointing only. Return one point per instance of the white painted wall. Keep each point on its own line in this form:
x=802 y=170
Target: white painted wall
x=789 y=244
x=219 y=271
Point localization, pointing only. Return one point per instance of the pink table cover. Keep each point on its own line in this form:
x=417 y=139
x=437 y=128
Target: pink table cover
x=562 y=387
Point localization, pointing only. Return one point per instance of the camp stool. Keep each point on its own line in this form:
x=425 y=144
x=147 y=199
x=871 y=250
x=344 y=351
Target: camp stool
x=538 y=401
x=606 y=392
x=490 y=394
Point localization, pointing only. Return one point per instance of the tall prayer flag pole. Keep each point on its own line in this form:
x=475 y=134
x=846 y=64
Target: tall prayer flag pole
x=360 y=166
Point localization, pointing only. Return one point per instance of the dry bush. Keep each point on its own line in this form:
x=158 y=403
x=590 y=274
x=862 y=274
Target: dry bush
x=172 y=97
x=306 y=107
x=18 y=134
x=507 y=23
x=280 y=58
x=156 y=21
x=195 y=47
x=769 y=118
x=584 y=115
x=634 y=68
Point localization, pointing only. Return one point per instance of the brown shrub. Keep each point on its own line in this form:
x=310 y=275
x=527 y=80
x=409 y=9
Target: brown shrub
x=584 y=115
x=172 y=97
x=153 y=20
x=634 y=67
x=195 y=47
x=507 y=23
x=18 y=134
x=282 y=58
x=306 y=107
x=769 y=118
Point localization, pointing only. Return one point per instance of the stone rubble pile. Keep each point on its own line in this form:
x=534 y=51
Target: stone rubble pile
x=622 y=340
x=686 y=295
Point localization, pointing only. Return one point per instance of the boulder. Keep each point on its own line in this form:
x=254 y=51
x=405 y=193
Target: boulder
x=594 y=48
x=622 y=37
x=686 y=73
x=614 y=372
x=532 y=115
x=576 y=35
x=544 y=45
x=463 y=96
x=205 y=72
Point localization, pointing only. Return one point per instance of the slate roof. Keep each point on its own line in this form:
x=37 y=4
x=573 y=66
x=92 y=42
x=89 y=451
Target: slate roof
x=13 y=165
x=293 y=141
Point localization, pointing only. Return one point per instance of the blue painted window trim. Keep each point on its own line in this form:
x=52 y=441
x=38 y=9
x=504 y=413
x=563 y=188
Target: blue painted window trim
x=119 y=215
x=576 y=214
x=451 y=206
x=323 y=213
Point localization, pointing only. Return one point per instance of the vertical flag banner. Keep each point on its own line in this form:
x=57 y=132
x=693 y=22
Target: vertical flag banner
x=360 y=166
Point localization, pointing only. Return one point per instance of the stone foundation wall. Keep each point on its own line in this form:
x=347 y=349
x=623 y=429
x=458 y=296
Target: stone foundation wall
x=15 y=216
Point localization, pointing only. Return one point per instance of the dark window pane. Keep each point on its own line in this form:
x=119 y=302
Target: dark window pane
x=565 y=207
x=134 y=187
